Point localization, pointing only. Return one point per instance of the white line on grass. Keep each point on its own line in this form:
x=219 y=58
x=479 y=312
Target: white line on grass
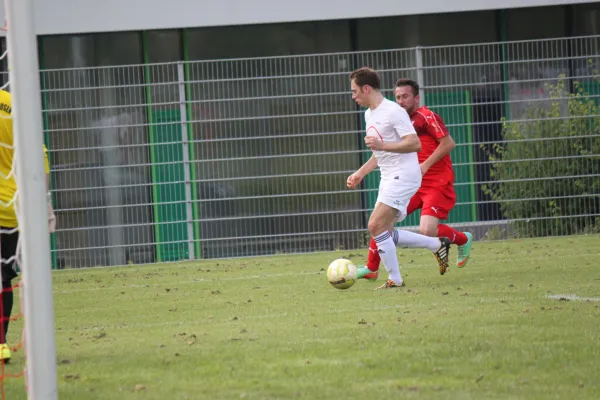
x=572 y=297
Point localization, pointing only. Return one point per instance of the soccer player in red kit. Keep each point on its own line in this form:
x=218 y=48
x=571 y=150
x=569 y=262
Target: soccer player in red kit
x=436 y=196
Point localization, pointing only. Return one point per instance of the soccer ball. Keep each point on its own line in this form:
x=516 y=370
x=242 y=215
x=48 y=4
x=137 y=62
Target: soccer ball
x=342 y=274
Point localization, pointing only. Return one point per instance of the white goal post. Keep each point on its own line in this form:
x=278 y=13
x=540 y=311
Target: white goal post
x=32 y=213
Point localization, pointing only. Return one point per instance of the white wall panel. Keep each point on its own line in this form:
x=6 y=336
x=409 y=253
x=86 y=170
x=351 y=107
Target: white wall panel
x=84 y=16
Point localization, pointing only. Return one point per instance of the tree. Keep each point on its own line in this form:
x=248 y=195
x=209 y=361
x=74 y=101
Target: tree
x=547 y=170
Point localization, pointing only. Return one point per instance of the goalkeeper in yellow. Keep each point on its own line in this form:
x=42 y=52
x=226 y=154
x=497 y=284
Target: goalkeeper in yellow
x=9 y=234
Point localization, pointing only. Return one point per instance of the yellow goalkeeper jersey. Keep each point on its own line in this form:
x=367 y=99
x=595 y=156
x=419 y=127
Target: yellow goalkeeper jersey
x=8 y=187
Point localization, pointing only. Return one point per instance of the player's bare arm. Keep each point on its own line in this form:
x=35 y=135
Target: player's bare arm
x=407 y=144
x=446 y=145
x=356 y=178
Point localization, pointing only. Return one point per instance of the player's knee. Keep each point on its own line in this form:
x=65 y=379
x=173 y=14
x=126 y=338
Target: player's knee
x=429 y=230
x=375 y=227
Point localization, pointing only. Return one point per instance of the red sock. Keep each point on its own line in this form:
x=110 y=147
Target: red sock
x=457 y=237
x=373 y=260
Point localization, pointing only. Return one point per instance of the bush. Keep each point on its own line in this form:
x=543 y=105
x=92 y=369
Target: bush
x=547 y=171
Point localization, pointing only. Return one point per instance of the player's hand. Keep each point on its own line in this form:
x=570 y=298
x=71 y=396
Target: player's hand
x=354 y=180
x=424 y=168
x=51 y=217
x=373 y=143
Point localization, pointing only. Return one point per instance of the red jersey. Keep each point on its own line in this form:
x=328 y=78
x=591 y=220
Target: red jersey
x=431 y=128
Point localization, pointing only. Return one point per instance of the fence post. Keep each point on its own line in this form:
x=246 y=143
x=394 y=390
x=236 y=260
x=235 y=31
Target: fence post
x=420 y=74
x=111 y=173
x=186 y=160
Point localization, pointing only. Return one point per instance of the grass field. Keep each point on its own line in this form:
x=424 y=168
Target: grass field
x=272 y=328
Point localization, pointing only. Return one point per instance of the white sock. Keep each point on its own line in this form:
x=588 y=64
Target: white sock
x=409 y=239
x=387 y=252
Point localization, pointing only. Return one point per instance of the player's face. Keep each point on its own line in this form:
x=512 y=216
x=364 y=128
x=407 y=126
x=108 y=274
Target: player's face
x=359 y=95
x=406 y=99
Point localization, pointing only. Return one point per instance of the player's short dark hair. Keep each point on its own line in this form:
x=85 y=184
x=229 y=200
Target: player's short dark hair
x=366 y=76
x=409 y=82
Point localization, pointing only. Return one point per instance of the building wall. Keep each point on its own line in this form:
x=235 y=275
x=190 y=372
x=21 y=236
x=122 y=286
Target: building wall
x=119 y=48
x=121 y=109
x=85 y=16
x=317 y=37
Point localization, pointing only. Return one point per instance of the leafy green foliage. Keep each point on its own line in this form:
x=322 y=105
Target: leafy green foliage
x=547 y=170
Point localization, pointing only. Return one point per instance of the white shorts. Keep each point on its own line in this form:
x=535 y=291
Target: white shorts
x=397 y=194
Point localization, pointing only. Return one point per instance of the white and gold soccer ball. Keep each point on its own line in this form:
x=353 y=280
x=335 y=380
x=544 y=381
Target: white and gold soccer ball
x=342 y=274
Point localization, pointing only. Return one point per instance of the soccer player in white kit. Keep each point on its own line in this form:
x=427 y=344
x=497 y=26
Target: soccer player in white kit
x=394 y=142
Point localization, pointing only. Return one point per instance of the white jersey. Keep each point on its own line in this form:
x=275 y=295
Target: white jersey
x=389 y=123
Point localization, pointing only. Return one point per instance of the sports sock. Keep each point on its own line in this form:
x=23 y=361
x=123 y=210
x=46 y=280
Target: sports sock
x=410 y=239
x=387 y=252
x=457 y=237
x=373 y=259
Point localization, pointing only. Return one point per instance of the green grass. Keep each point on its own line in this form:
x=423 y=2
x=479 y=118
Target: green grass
x=272 y=328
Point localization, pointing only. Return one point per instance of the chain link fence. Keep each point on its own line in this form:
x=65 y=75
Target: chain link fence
x=240 y=157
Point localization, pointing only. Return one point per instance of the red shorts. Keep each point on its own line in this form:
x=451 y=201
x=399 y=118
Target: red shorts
x=434 y=201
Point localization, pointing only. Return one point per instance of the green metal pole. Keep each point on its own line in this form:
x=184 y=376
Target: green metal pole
x=470 y=155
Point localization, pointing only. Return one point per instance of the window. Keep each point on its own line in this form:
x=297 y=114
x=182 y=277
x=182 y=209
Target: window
x=586 y=19
x=535 y=23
